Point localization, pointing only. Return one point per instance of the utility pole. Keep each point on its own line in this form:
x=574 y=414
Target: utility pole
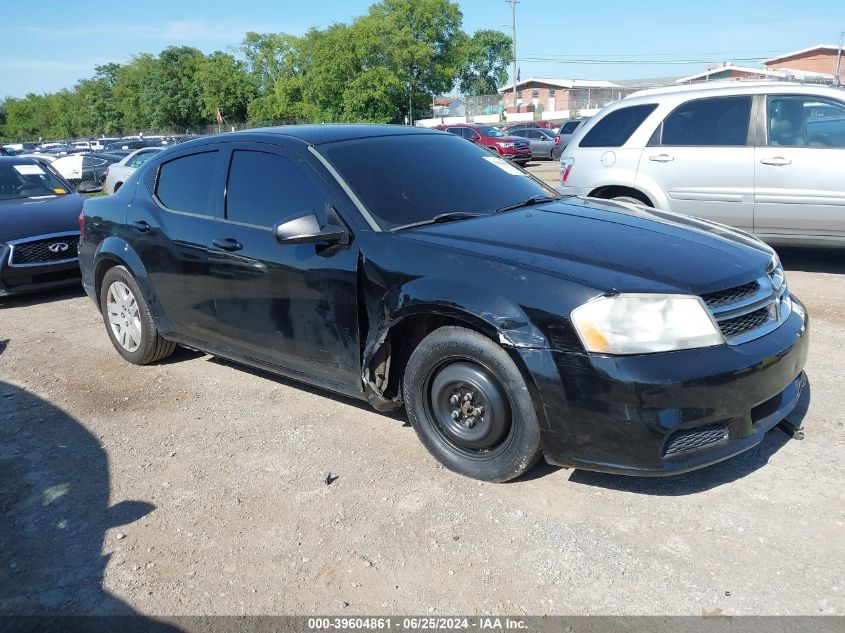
x=836 y=81
x=513 y=4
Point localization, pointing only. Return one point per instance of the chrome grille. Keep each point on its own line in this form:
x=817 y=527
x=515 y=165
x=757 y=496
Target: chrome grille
x=44 y=249
x=752 y=309
x=744 y=323
x=731 y=295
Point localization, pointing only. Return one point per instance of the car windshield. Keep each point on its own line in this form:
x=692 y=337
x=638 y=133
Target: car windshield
x=489 y=130
x=411 y=178
x=28 y=180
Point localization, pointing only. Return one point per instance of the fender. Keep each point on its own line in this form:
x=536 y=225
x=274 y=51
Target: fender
x=116 y=251
x=456 y=300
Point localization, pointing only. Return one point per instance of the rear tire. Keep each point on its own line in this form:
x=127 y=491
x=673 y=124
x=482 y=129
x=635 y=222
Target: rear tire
x=128 y=320
x=469 y=405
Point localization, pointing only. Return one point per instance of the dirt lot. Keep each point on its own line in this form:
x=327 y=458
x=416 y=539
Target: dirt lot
x=198 y=487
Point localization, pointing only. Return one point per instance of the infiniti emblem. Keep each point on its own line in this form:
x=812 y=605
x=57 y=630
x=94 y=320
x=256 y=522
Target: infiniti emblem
x=57 y=247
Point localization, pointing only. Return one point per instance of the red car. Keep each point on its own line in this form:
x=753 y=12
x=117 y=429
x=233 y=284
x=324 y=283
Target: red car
x=510 y=147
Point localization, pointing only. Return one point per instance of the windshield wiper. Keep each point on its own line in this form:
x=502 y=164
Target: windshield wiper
x=526 y=203
x=441 y=218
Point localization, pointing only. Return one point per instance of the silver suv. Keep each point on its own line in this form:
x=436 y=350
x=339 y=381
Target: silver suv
x=766 y=157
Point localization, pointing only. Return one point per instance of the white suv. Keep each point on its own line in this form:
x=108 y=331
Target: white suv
x=766 y=157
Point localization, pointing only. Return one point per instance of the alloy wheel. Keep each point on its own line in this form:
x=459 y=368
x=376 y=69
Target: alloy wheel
x=124 y=316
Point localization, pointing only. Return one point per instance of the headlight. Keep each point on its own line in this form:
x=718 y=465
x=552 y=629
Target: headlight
x=645 y=323
x=506 y=145
x=775 y=272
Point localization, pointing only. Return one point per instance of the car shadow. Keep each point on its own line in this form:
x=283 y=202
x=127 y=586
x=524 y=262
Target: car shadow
x=812 y=260
x=40 y=297
x=54 y=495
x=693 y=482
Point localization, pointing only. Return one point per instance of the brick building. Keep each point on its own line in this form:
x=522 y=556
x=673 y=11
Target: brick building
x=816 y=59
x=555 y=95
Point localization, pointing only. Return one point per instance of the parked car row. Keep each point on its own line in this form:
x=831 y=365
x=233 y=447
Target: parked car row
x=765 y=157
x=512 y=148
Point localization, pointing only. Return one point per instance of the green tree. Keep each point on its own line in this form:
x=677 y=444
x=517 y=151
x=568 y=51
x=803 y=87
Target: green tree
x=224 y=86
x=129 y=82
x=170 y=95
x=484 y=66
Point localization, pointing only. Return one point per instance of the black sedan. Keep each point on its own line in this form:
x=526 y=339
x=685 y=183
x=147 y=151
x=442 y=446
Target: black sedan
x=39 y=227
x=408 y=267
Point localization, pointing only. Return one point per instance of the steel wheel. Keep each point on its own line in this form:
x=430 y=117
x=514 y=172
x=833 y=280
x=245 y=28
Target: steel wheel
x=470 y=407
x=124 y=316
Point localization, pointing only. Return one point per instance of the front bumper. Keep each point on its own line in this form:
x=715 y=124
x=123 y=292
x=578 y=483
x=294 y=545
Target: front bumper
x=16 y=280
x=661 y=414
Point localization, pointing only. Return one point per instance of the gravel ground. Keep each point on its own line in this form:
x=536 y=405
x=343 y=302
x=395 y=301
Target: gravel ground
x=199 y=487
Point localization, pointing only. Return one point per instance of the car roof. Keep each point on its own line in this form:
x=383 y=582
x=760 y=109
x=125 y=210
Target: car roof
x=732 y=87
x=17 y=160
x=318 y=134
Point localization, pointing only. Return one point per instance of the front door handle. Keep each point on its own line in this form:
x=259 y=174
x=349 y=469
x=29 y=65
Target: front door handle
x=777 y=161
x=661 y=158
x=140 y=225
x=227 y=244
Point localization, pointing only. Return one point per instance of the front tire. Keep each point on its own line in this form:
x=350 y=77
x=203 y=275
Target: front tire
x=469 y=405
x=128 y=320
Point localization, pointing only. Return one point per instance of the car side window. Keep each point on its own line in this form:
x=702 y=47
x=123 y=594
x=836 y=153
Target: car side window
x=614 y=129
x=454 y=130
x=140 y=159
x=184 y=183
x=720 y=121
x=570 y=127
x=805 y=121
x=263 y=189
x=467 y=132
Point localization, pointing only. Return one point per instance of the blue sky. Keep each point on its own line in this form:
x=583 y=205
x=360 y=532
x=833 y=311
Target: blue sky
x=51 y=44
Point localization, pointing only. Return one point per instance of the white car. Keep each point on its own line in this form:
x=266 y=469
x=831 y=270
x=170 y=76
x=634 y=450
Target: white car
x=117 y=173
x=766 y=157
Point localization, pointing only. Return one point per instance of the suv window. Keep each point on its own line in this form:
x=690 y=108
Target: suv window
x=719 y=121
x=805 y=121
x=614 y=129
x=569 y=127
x=184 y=184
x=455 y=130
x=263 y=189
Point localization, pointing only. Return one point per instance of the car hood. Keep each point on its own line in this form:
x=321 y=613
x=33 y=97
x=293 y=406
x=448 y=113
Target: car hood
x=26 y=218
x=613 y=247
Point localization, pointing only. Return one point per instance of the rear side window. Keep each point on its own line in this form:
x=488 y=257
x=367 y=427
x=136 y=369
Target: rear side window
x=140 y=159
x=721 y=121
x=184 y=184
x=570 y=127
x=616 y=128
x=805 y=121
x=264 y=189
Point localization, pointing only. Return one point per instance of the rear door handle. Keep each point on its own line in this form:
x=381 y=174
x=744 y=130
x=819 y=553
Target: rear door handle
x=661 y=158
x=777 y=161
x=140 y=225
x=227 y=244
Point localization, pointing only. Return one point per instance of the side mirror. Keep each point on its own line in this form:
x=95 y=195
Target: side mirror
x=475 y=137
x=88 y=186
x=306 y=229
